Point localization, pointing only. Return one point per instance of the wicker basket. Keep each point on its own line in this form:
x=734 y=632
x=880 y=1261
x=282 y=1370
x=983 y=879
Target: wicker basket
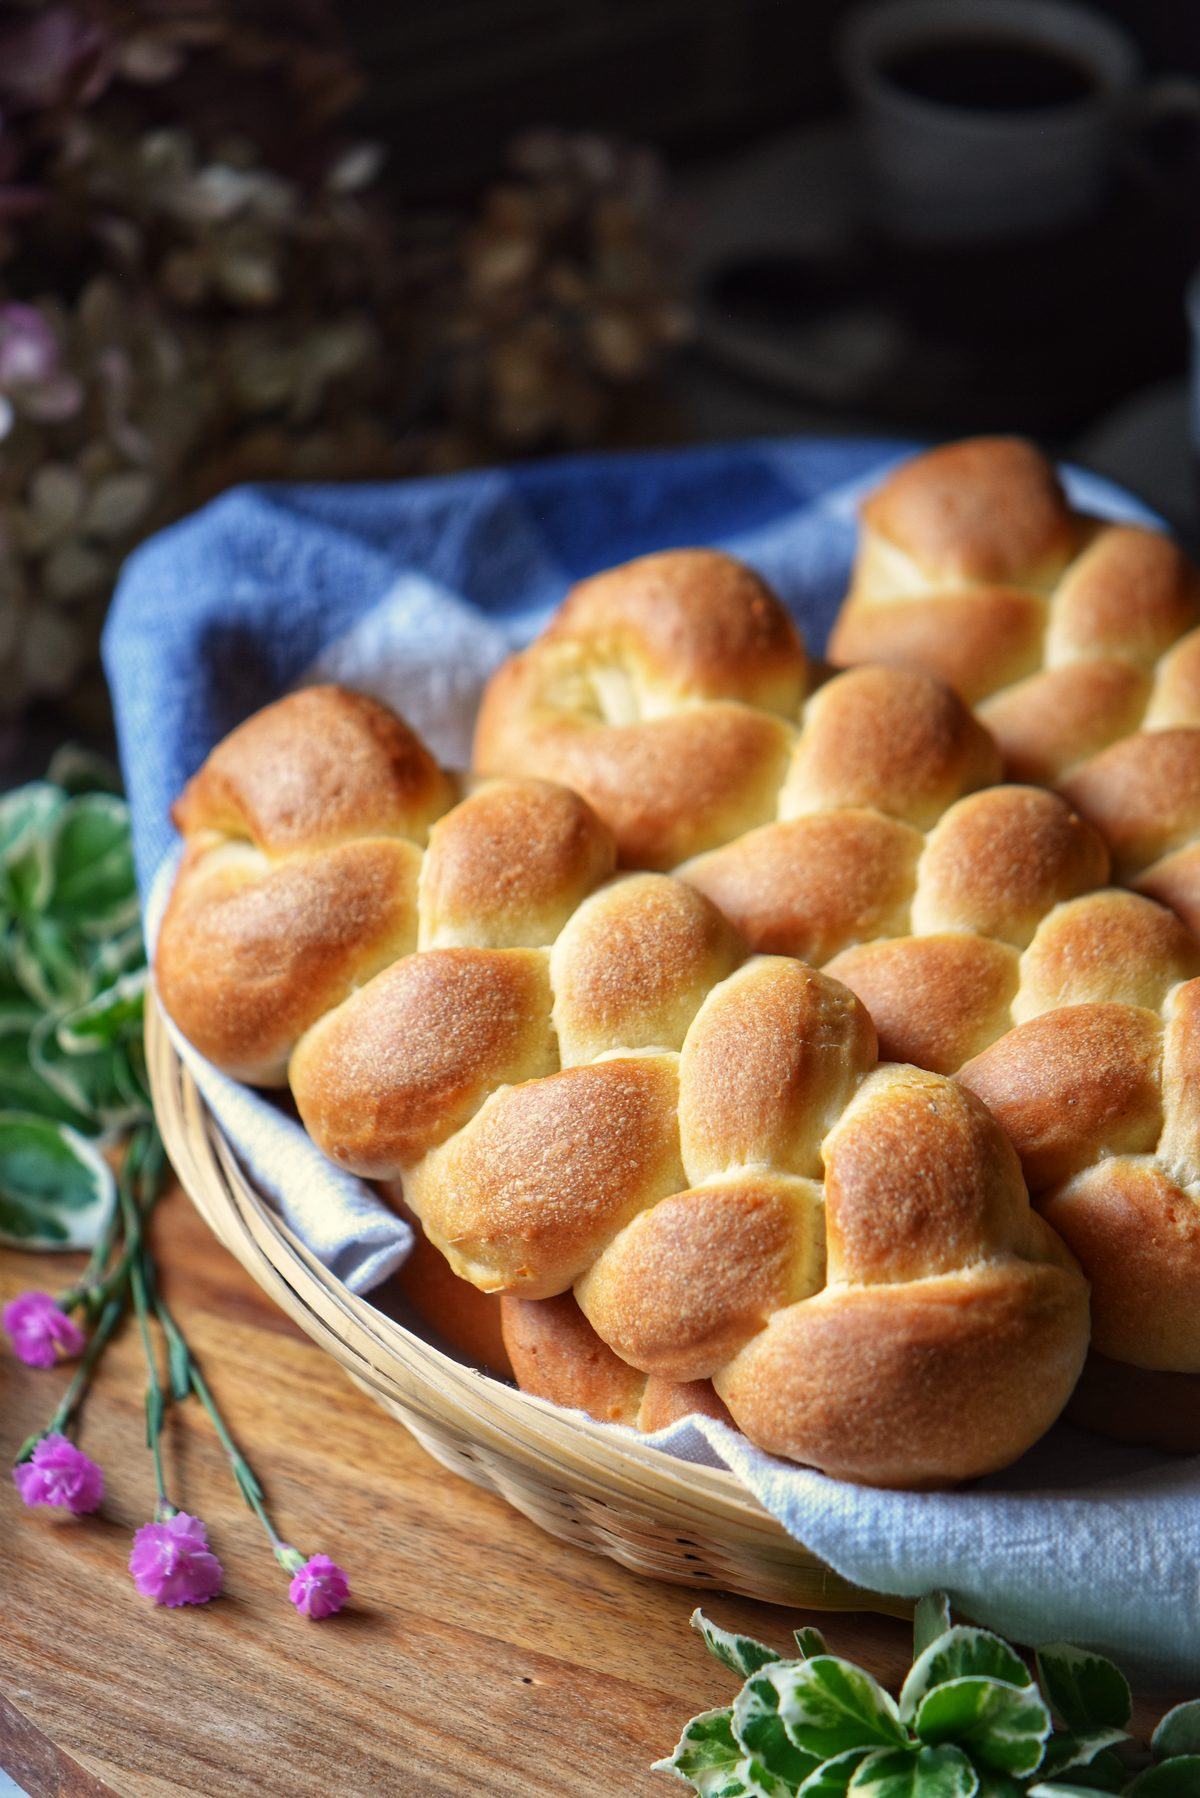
x=693 y=1525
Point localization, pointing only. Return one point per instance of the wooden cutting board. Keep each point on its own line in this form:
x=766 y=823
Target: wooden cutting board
x=478 y=1656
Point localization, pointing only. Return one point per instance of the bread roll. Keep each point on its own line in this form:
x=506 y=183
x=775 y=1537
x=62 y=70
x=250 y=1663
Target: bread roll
x=609 y=1096
x=960 y=911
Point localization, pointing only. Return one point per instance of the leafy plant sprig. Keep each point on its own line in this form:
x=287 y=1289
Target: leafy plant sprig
x=74 y=1103
x=971 y=1721
x=72 y=982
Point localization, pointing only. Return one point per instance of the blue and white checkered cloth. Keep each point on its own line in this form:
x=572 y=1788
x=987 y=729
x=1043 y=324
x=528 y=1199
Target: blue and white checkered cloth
x=414 y=592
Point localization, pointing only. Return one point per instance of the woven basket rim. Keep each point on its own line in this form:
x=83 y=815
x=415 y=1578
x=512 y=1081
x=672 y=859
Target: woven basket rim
x=420 y=1382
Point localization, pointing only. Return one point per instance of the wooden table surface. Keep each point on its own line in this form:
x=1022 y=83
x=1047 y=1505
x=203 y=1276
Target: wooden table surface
x=478 y=1655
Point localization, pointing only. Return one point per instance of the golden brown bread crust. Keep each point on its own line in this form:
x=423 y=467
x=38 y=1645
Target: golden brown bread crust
x=1070 y=631
x=895 y=1214
x=702 y=622
x=807 y=886
x=773 y=1057
x=889 y=738
x=975 y=642
x=957 y=910
x=467 y=1320
x=507 y=871
x=555 y=1353
x=412 y=1055
x=1175 y=881
x=985 y=510
x=1074 y=1086
x=1143 y=795
x=694 y=1277
x=527 y=1194
x=633 y=965
x=904 y=1351
x=1060 y=716
x=1143 y=1243
x=320 y=767
x=668 y=787
x=250 y=953
x=998 y=861
x=1130 y=595
x=1103 y=1102
x=1109 y=705
x=935 y=1000
x=659 y=693
x=624 y=1104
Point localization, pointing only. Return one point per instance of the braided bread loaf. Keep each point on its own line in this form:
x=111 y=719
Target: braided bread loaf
x=1077 y=640
x=970 y=918
x=587 y=1083
x=1067 y=631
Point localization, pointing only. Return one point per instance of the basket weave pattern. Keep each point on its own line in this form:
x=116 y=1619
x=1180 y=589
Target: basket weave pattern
x=692 y=1525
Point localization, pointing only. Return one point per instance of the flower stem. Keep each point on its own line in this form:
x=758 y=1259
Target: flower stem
x=144 y=1161
x=89 y=1288
x=243 y=1473
x=139 y=1186
x=94 y=1292
x=133 y=1215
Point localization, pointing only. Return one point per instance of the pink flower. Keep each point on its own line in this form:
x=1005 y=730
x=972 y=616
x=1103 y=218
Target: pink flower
x=60 y=1474
x=39 y=1331
x=319 y=1587
x=172 y=1563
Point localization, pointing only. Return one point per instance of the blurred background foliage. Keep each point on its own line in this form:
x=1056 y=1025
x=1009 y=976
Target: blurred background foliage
x=203 y=280
x=279 y=240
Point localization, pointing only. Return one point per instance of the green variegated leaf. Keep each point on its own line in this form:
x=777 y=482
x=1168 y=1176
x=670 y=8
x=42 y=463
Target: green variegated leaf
x=132 y=1078
x=1056 y=1788
x=1066 y=1750
x=26 y=812
x=78 y=770
x=96 y=1084
x=741 y=1654
x=1107 y=1773
x=809 y=1641
x=832 y=1777
x=47 y=966
x=828 y=1705
x=706 y=1746
x=113 y=1012
x=708 y=1758
x=929 y=1773
x=22 y=1087
x=116 y=955
x=1001 y=1726
x=1175 y=1778
x=955 y=1654
x=12 y=994
x=1178 y=1732
x=27 y=819
x=759 y=1727
x=1085 y=1689
x=55 y=1188
x=94 y=889
x=931 y=1619
x=998 y=1785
